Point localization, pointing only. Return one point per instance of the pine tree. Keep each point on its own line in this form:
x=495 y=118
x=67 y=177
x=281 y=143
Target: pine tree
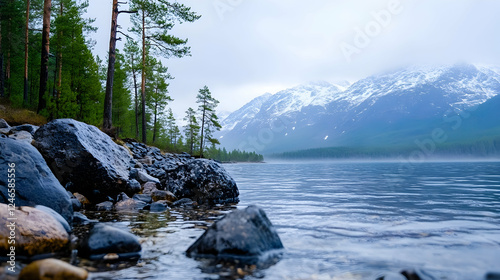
x=132 y=54
x=153 y=23
x=191 y=129
x=208 y=118
x=158 y=88
x=121 y=112
x=44 y=64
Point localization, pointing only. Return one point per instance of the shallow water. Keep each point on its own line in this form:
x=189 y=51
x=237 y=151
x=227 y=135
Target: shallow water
x=339 y=221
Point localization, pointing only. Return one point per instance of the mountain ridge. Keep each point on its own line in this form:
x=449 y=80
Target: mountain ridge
x=321 y=114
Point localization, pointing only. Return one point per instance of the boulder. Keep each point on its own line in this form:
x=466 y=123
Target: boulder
x=56 y=216
x=37 y=232
x=52 y=269
x=243 y=235
x=83 y=155
x=492 y=276
x=34 y=182
x=204 y=181
x=103 y=240
x=22 y=136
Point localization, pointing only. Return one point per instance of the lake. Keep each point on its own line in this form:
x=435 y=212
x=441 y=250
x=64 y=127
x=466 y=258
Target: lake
x=342 y=220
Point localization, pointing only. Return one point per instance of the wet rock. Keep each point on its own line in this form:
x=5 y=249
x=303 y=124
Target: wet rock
x=149 y=188
x=21 y=136
x=183 y=202
x=130 y=204
x=492 y=276
x=133 y=187
x=80 y=219
x=104 y=206
x=243 y=235
x=31 y=129
x=410 y=274
x=103 y=240
x=163 y=195
x=56 y=216
x=143 y=197
x=4 y=124
x=391 y=276
x=158 y=207
x=34 y=182
x=82 y=199
x=82 y=154
x=142 y=176
x=38 y=233
x=201 y=180
x=52 y=269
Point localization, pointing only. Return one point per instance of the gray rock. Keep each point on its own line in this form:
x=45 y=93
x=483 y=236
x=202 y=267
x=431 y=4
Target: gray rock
x=104 y=206
x=158 y=207
x=31 y=129
x=35 y=184
x=103 y=240
x=143 y=197
x=80 y=219
x=203 y=181
x=243 y=235
x=82 y=154
x=56 y=216
x=4 y=124
x=22 y=136
x=133 y=187
x=183 y=202
x=130 y=205
x=163 y=195
x=492 y=276
x=144 y=177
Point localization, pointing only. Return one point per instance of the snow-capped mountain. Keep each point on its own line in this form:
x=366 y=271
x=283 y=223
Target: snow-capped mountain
x=383 y=109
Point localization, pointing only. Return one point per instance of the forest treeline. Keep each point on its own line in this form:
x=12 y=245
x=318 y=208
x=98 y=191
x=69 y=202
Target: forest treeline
x=482 y=148
x=47 y=65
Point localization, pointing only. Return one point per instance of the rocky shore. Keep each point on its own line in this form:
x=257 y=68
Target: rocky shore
x=53 y=172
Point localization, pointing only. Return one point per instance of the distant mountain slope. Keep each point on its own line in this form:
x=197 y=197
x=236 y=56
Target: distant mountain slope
x=382 y=110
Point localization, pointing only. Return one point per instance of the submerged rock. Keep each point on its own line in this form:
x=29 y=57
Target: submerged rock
x=244 y=235
x=52 y=269
x=103 y=240
x=83 y=155
x=37 y=232
x=34 y=182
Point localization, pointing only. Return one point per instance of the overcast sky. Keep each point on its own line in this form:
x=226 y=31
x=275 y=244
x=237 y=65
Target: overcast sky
x=244 y=48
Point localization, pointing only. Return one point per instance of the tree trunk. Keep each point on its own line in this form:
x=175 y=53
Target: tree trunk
x=136 y=103
x=59 y=64
x=108 y=99
x=202 y=127
x=154 y=123
x=26 y=51
x=44 y=63
x=143 y=82
x=2 y=84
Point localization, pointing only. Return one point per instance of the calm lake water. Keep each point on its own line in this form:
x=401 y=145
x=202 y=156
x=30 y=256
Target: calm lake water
x=342 y=221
